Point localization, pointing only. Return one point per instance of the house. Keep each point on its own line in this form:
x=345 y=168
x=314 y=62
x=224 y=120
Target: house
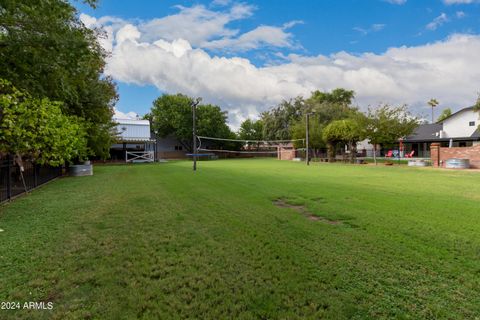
x=365 y=149
x=170 y=148
x=461 y=129
x=135 y=142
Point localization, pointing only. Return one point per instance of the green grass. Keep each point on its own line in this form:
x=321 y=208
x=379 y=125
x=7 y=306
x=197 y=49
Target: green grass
x=161 y=242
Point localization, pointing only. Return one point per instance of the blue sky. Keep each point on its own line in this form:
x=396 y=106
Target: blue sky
x=304 y=40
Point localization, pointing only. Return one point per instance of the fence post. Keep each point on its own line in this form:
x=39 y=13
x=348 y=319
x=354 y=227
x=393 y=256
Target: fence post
x=35 y=175
x=9 y=178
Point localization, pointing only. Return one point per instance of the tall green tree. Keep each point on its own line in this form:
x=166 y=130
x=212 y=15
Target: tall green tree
x=315 y=140
x=433 y=103
x=476 y=106
x=278 y=122
x=37 y=128
x=251 y=130
x=337 y=96
x=340 y=133
x=172 y=115
x=47 y=51
x=325 y=108
x=330 y=106
x=387 y=124
x=445 y=114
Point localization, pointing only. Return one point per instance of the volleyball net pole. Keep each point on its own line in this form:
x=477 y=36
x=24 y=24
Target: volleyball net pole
x=194 y=131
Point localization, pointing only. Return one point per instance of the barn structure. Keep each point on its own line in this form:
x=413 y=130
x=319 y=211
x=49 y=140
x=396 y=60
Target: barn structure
x=135 y=142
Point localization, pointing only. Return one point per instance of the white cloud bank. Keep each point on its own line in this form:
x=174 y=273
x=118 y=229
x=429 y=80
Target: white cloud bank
x=460 y=1
x=201 y=27
x=447 y=70
x=121 y=115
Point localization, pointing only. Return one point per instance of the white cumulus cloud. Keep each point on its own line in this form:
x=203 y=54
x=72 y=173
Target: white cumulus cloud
x=202 y=28
x=373 y=28
x=259 y=37
x=437 y=22
x=121 y=115
x=193 y=65
x=447 y=70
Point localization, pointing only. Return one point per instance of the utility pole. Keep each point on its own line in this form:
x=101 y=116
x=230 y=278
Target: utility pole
x=194 y=132
x=307 y=135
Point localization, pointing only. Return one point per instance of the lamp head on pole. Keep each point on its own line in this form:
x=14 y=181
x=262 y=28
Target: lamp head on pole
x=196 y=101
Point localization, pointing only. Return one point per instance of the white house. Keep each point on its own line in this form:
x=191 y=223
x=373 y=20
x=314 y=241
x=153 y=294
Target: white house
x=134 y=141
x=462 y=124
x=461 y=129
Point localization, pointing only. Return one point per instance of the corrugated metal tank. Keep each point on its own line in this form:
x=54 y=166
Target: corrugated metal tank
x=80 y=170
x=418 y=163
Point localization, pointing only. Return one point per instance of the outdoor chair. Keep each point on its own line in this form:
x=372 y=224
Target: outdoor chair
x=410 y=155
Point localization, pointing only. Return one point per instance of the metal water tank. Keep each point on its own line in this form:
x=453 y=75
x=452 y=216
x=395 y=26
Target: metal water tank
x=80 y=170
x=419 y=163
x=455 y=163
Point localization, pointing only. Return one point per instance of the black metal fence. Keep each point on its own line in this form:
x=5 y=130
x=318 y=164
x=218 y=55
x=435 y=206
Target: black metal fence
x=12 y=183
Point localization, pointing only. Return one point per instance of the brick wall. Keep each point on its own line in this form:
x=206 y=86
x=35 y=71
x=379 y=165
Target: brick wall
x=286 y=154
x=435 y=154
x=439 y=155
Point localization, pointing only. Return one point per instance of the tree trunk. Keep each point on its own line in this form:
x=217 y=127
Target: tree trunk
x=331 y=152
x=353 y=151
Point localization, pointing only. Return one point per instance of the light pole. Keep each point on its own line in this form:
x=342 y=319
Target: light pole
x=194 y=132
x=307 y=124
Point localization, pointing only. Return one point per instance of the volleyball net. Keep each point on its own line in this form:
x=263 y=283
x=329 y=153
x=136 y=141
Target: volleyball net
x=241 y=148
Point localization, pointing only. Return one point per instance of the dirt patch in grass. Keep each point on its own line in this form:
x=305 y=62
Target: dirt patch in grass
x=282 y=203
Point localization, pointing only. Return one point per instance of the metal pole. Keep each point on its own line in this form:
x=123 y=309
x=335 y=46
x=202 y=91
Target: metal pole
x=9 y=177
x=35 y=175
x=194 y=105
x=194 y=132
x=307 y=159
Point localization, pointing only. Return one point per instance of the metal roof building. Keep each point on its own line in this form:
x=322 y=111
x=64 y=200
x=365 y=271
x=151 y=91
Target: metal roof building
x=130 y=130
x=134 y=141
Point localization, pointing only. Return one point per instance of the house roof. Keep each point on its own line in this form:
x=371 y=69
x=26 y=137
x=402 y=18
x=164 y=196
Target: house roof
x=429 y=132
x=133 y=121
x=132 y=130
x=425 y=132
x=135 y=139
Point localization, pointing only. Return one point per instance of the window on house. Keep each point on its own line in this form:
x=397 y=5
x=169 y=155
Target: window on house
x=178 y=148
x=471 y=123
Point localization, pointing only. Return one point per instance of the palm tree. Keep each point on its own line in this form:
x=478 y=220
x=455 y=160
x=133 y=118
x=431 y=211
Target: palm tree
x=433 y=103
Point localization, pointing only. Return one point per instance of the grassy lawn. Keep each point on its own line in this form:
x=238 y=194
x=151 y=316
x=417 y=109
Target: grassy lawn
x=161 y=242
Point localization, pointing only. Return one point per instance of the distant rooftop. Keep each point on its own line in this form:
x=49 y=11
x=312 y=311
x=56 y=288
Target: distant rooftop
x=425 y=132
x=132 y=121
